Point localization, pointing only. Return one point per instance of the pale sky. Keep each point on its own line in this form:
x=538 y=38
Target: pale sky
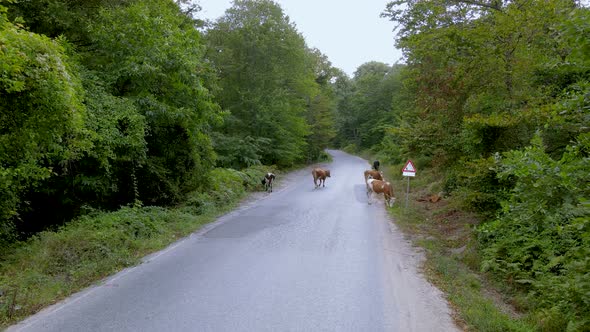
x=349 y=33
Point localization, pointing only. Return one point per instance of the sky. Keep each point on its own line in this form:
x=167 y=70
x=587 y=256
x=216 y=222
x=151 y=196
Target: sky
x=349 y=33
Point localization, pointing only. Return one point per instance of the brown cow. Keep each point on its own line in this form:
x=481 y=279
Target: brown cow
x=320 y=174
x=380 y=187
x=374 y=174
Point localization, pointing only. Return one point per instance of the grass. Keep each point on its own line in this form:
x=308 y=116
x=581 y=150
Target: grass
x=445 y=231
x=55 y=264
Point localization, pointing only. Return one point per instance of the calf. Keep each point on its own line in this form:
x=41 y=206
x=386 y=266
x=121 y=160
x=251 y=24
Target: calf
x=321 y=175
x=268 y=180
x=380 y=187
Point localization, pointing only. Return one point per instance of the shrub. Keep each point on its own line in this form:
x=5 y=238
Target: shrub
x=541 y=239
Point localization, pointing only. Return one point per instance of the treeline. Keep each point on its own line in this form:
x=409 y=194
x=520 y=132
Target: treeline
x=110 y=103
x=495 y=95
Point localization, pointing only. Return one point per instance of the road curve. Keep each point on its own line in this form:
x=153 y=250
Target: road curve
x=299 y=259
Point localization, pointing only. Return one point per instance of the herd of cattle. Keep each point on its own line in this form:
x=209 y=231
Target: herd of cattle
x=374 y=181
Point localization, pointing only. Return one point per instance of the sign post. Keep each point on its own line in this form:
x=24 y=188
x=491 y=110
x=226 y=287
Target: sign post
x=408 y=171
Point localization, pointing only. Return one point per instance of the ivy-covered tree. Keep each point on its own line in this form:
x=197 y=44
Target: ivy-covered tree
x=150 y=53
x=141 y=84
x=41 y=114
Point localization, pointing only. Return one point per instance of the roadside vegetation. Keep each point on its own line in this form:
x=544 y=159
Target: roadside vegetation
x=445 y=231
x=53 y=264
x=493 y=106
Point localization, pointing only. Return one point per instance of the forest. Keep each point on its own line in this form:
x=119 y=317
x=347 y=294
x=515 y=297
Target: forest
x=116 y=113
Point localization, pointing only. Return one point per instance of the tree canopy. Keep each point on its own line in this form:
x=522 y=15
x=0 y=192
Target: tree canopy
x=109 y=103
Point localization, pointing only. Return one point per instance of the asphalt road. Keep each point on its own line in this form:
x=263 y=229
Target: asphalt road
x=299 y=259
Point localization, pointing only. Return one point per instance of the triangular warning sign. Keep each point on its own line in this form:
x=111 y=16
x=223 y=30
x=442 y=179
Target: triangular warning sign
x=409 y=169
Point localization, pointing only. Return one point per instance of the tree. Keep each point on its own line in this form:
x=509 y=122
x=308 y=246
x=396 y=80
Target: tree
x=321 y=105
x=150 y=53
x=264 y=80
x=141 y=84
x=41 y=114
x=365 y=110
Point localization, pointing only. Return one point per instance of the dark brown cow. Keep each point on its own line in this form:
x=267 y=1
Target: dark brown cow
x=380 y=187
x=321 y=175
x=374 y=174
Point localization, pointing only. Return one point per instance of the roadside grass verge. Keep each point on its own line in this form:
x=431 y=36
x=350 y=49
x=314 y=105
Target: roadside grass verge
x=55 y=264
x=445 y=231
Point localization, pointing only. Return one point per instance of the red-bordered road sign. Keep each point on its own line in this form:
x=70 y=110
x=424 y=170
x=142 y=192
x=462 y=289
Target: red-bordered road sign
x=409 y=169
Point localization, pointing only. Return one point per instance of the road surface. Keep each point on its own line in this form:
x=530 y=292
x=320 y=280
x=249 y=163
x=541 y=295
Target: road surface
x=299 y=259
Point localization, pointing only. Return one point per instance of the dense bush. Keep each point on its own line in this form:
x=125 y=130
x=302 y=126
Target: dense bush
x=225 y=185
x=41 y=115
x=541 y=239
x=150 y=53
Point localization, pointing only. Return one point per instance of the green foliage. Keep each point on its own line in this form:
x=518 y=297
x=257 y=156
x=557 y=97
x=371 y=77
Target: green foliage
x=321 y=107
x=475 y=184
x=225 y=185
x=236 y=152
x=478 y=73
x=252 y=176
x=41 y=114
x=55 y=18
x=576 y=36
x=52 y=265
x=119 y=115
x=365 y=109
x=480 y=80
x=541 y=239
x=150 y=53
x=104 y=175
x=265 y=79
